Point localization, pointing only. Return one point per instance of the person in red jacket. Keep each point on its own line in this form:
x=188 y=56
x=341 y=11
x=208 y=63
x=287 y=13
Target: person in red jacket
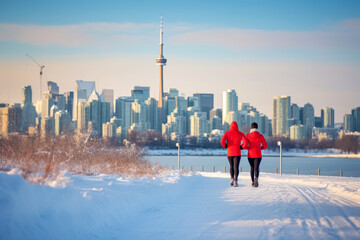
x=256 y=142
x=232 y=141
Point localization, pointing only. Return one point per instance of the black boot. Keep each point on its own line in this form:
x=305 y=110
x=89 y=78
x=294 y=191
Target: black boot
x=235 y=183
x=256 y=182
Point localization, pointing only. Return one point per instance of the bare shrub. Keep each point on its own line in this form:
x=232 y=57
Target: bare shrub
x=39 y=160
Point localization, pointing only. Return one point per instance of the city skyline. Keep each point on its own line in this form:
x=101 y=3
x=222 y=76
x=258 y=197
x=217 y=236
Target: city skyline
x=193 y=116
x=259 y=49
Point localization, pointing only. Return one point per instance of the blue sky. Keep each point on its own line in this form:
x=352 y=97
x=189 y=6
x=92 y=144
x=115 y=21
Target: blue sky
x=309 y=50
x=266 y=15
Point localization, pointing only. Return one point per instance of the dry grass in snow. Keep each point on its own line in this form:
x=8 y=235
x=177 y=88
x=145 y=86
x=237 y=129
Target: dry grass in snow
x=39 y=160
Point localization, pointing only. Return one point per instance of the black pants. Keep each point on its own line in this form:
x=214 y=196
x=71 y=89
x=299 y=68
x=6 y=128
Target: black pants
x=234 y=162
x=255 y=164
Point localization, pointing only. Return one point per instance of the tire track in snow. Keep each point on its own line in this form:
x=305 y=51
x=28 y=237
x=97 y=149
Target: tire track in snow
x=339 y=202
x=322 y=205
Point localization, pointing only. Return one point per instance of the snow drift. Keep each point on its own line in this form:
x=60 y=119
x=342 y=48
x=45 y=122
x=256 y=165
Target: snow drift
x=180 y=206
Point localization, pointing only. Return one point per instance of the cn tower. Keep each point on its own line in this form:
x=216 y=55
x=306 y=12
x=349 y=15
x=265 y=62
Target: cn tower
x=161 y=61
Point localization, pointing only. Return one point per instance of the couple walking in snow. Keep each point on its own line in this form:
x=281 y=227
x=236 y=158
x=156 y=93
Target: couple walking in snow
x=234 y=141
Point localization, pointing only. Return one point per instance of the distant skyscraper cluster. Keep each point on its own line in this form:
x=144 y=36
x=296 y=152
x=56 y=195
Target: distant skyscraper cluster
x=296 y=122
x=243 y=113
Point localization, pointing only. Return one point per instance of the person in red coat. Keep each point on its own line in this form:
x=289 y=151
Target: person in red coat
x=232 y=141
x=256 y=143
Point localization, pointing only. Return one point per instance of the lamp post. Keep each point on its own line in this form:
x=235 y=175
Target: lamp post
x=178 y=146
x=279 y=144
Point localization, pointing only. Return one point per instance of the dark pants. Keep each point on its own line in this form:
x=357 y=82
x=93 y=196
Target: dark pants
x=234 y=162
x=255 y=164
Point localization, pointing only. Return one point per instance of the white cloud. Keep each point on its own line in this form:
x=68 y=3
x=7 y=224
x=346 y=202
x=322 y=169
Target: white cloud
x=343 y=36
x=90 y=34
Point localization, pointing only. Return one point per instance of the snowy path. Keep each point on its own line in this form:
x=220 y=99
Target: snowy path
x=201 y=206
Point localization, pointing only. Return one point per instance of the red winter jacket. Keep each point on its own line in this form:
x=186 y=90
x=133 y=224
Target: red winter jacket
x=233 y=139
x=256 y=142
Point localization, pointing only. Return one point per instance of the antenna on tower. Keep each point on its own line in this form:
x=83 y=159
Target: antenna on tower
x=161 y=30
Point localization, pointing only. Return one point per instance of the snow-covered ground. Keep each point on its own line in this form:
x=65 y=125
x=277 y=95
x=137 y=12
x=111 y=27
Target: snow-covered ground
x=180 y=206
x=328 y=153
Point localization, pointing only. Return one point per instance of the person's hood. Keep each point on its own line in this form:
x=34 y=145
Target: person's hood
x=234 y=126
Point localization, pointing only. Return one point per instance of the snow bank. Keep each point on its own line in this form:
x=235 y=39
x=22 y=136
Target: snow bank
x=175 y=206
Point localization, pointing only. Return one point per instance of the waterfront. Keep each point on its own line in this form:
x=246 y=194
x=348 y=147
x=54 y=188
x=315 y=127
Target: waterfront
x=306 y=165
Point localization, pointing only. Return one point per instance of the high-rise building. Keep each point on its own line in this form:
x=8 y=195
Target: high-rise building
x=83 y=90
x=301 y=115
x=253 y=116
x=161 y=61
x=349 y=123
x=54 y=109
x=308 y=120
x=28 y=110
x=123 y=112
x=99 y=114
x=83 y=116
x=140 y=93
x=296 y=132
x=319 y=122
x=295 y=113
x=356 y=115
x=47 y=127
x=215 y=123
x=26 y=96
x=281 y=115
x=107 y=95
x=243 y=119
x=116 y=121
x=172 y=92
x=10 y=119
x=329 y=116
x=108 y=130
x=169 y=105
x=232 y=116
x=206 y=102
x=93 y=113
x=230 y=103
x=176 y=123
x=193 y=102
x=152 y=114
x=216 y=112
x=95 y=96
x=198 y=124
x=181 y=103
x=46 y=103
x=264 y=125
x=53 y=88
x=138 y=116
x=60 y=101
x=243 y=106
x=62 y=122
x=325 y=133
x=69 y=103
x=189 y=112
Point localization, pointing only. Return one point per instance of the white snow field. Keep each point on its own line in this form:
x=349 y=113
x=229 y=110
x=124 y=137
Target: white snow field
x=175 y=206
